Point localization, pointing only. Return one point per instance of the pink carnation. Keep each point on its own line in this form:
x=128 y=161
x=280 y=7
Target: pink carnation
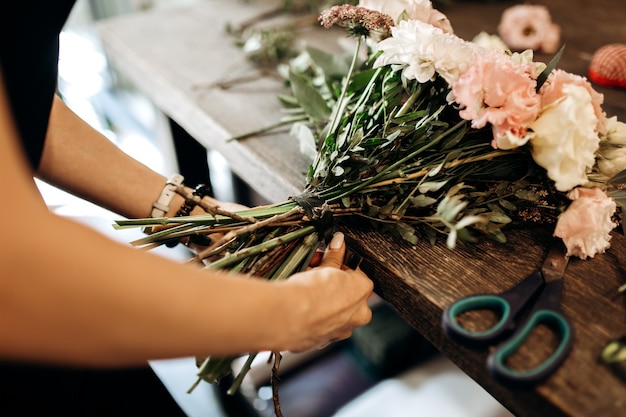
x=499 y=91
x=552 y=90
x=526 y=26
x=586 y=224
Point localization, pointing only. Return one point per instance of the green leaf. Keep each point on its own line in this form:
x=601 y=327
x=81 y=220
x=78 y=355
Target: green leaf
x=543 y=77
x=508 y=205
x=423 y=201
x=619 y=178
x=527 y=195
x=619 y=197
x=311 y=101
x=331 y=64
x=407 y=232
x=499 y=217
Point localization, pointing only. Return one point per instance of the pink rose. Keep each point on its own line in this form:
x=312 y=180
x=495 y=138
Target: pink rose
x=499 y=91
x=586 y=224
x=529 y=27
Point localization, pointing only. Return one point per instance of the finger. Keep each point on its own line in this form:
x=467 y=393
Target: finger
x=333 y=257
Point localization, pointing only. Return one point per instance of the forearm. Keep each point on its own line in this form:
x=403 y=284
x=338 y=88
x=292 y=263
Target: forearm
x=82 y=161
x=117 y=306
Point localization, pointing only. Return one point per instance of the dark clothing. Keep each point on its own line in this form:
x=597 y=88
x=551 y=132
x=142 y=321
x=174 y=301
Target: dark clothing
x=29 y=52
x=37 y=391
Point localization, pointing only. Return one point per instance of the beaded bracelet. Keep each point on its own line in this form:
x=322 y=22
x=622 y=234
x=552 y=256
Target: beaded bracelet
x=201 y=191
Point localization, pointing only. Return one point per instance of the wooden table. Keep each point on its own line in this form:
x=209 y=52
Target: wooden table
x=173 y=56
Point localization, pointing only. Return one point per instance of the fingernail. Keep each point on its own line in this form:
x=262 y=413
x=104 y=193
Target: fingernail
x=337 y=241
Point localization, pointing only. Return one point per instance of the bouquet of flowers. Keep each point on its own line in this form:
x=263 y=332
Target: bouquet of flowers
x=424 y=135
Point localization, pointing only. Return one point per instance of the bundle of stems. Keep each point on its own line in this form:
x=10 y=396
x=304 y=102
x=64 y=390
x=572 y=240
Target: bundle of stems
x=390 y=151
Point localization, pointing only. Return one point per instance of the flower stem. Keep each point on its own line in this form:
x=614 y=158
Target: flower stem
x=344 y=89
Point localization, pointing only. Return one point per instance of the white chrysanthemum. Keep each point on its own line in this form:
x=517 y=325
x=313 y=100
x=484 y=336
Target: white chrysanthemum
x=565 y=138
x=423 y=51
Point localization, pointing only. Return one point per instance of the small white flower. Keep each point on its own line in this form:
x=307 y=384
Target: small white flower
x=612 y=151
x=490 y=42
x=565 y=138
x=423 y=51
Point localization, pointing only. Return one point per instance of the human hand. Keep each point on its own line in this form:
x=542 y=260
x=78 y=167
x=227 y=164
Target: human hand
x=332 y=300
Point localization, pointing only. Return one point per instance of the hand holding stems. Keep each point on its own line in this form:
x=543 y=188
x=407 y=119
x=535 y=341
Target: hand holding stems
x=333 y=300
x=327 y=302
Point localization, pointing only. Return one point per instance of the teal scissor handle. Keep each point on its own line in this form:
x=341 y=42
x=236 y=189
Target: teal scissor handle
x=507 y=305
x=546 y=311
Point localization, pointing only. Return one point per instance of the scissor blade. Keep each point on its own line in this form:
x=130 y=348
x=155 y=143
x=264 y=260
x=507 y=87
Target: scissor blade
x=553 y=267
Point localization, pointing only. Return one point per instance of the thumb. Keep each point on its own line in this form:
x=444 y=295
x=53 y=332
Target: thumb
x=333 y=256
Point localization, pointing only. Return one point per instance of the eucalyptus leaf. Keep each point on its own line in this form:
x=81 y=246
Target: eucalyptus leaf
x=309 y=98
x=407 y=232
x=423 y=201
x=499 y=217
x=332 y=65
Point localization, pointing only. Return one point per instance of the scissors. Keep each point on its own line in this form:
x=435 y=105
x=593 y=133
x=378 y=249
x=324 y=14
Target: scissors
x=541 y=291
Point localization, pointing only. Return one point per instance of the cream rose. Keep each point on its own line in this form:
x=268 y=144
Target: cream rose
x=586 y=224
x=565 y=139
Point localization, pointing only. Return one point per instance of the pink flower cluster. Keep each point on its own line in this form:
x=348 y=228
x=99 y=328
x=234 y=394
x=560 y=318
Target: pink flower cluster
x=561 y=121
x=498 y=91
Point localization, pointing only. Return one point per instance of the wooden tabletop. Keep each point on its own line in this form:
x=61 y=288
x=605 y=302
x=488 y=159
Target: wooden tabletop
x=174 y=56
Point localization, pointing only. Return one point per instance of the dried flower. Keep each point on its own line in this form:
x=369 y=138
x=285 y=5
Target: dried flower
x=526 y=26
x=586 y=224
x=358 y=20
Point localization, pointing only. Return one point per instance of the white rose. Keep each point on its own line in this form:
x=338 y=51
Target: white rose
x=565 y=138
x=612 y=152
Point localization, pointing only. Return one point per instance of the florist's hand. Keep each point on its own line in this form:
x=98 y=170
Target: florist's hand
x=332 y=300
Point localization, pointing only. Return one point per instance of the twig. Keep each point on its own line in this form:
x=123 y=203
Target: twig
x=230 y=236
x=274 y=381
x=211 y=209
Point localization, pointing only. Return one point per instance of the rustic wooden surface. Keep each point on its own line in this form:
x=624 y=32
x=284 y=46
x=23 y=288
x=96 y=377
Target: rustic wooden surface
x=173 y=56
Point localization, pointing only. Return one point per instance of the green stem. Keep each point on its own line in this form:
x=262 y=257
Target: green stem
x=260 y=248
x=344 y=89
x=267 y=129
x=241 y=375
x=394 y=166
